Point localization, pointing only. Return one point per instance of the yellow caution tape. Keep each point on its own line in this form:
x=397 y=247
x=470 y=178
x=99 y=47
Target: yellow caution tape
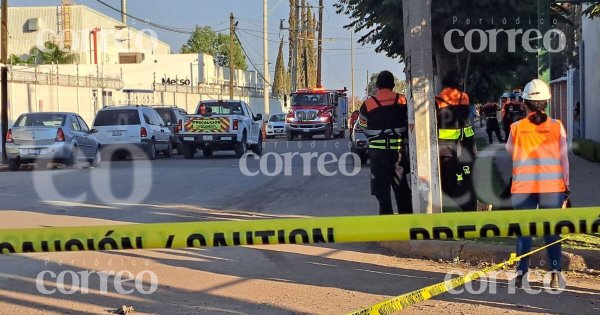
x=403 y=301
x=302 y=231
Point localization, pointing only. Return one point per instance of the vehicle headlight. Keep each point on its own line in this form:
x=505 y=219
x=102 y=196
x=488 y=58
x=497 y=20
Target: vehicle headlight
x=323 y=118
x=269 y=127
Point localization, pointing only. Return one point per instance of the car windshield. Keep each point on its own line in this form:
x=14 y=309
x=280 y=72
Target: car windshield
x=41 y=120
x=277 y=118
x=166 y=114
x=118 y=117
x=309 y=99
x=220 y=108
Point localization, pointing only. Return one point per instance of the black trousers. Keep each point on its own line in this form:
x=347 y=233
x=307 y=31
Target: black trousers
x=492 y=126
x=506 y=126
x=389 y=170
x=456 y=170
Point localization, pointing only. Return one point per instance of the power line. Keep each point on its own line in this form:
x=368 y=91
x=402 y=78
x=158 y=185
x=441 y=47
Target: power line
x=160 y=26
x=251 y=62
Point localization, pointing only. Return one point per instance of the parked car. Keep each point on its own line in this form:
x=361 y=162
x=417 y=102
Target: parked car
x=276 y=125
x=219 y=126
x=52 y=137
x=353 y=118
x=120 y=128
x=173 y=118
x=360 y=143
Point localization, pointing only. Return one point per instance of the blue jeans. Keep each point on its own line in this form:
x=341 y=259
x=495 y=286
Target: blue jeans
x=543 y=201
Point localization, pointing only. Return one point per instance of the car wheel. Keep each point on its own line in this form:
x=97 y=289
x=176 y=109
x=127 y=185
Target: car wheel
x=169 y=152
x=14 y=165
x=258 y=148
x=72 y=160
x=188 y=151
x=152 y=151
x=95 y=162
x=207 y=152
x=178 y=149
x=241 y=148
x=289 y=135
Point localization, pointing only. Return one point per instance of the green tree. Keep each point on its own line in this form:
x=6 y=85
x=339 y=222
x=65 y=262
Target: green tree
x=15 y=60
x=51 y=53
x=206 y=41
x=488 y=73
x=279 y=82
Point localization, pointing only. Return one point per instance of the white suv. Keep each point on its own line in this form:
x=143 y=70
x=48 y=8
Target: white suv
x=121 y=127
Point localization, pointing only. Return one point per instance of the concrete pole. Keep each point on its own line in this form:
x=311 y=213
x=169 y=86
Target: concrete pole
x=320 y=44
x=231 y=54
x=124 y=12
x=352 y=67
x=4 y=77
x=266 y=58
x=296 y=28
x=424 y=157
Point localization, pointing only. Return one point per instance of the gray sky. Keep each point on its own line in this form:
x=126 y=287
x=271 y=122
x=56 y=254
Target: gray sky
x=185 y=14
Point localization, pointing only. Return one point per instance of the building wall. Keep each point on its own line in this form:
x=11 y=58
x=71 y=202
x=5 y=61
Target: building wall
x=111 y=40
x=591 y=106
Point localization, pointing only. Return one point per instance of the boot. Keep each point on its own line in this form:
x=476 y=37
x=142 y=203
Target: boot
x=556 y=279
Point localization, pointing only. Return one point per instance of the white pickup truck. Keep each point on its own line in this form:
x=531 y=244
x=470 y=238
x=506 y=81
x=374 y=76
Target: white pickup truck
x=221 y=125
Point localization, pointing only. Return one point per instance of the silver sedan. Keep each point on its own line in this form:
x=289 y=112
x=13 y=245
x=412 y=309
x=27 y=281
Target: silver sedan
x=51 y=138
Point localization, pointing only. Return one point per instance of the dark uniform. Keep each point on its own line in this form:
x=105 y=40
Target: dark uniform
x=490 y=113
x=457 y=147
x=512 y=112
x=385 y=118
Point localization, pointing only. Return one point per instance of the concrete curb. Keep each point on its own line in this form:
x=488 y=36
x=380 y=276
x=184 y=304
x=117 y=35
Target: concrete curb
x=474 y=253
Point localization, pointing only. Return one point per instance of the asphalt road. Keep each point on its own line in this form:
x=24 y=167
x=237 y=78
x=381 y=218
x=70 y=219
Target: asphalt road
x=282 y=279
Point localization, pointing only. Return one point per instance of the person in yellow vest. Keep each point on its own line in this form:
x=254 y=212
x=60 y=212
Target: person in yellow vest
x=540 y=173
x=384 y=116
x=456 y=142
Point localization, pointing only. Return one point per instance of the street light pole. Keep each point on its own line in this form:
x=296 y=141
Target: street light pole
x=4 y=77
x=266 y=58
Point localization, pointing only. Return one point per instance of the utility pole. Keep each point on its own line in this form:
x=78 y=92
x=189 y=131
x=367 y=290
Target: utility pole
x=320 y=44
x=231 y=54
x=296 y=30
x=305 y=68
x=4 y=77
x=544 y=62
x=124 y=12
x=352 y=66
x=424 y=157
x=266 y=58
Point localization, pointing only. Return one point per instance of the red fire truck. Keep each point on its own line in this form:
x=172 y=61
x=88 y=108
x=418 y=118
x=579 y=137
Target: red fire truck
x=317 y=112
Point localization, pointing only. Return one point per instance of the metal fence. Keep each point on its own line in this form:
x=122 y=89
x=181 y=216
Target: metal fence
x=209 y=90
x=64 y=80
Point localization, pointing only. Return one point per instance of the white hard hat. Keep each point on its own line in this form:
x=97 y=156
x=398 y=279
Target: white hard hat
x=505 y=95
x=536 y=90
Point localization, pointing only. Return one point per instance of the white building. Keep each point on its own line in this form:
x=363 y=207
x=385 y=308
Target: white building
x=93 y=37
x=590 y=105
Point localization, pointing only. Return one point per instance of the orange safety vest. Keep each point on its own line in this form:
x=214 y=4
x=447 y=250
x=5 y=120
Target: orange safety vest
x=536 y=157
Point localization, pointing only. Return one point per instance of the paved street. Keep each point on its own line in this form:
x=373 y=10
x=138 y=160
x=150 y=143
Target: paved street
x=288 y=279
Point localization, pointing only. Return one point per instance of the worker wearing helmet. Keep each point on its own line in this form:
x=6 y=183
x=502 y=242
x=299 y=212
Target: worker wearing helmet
x=540 y=173
x=385 y=118
x=456 y=142
x=512 y=111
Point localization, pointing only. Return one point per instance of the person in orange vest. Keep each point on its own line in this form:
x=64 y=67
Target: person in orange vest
x=540 y=174
x=384 y=116
x=456 y=142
